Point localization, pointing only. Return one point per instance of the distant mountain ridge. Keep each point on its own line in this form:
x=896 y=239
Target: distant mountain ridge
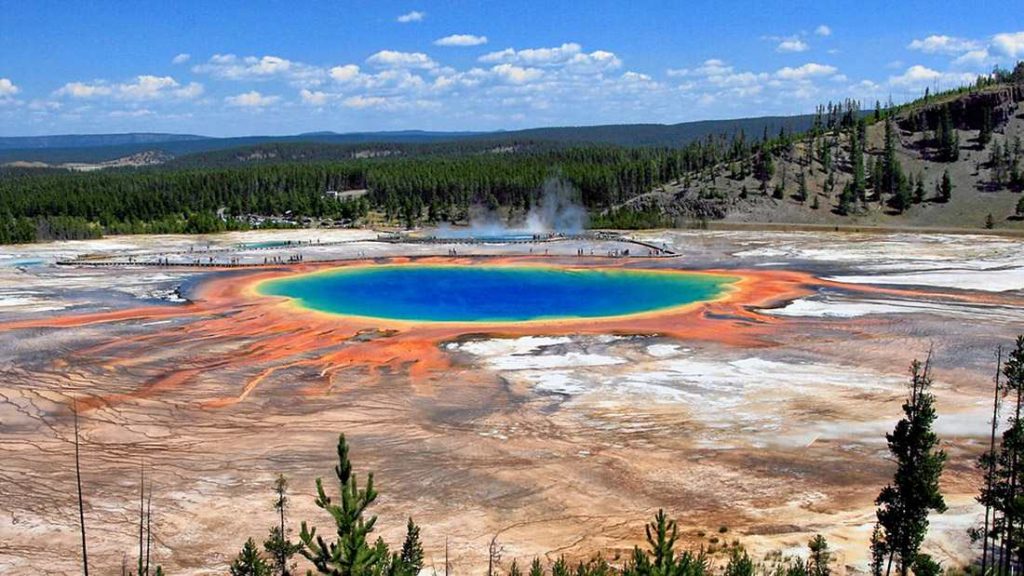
x=93 y=140
x=97 y=148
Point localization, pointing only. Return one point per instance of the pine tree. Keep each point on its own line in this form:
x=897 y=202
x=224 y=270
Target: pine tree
x=739 y=564
x=857 y=135
x=904 y=504
x=946 y=188
x=878 y=551
x=661 y=558
x=890 y=165
x=820 y=557
x=764 y=168
x=350 y=554
x=662 y=535
x=249 y=561
x=902 y=196
x=277 y=544
x=846 y=199
x=81 y=504
x=987 y=464
x=801 y=194
x=560 y=567
x=411 y=559
x=996 y=165
x=924 y=565
x=985 y=132
x=948 y=139
x=1003 y=492
x=536 y=569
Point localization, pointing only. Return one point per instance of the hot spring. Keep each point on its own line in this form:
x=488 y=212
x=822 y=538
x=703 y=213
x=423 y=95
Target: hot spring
x=447 y=293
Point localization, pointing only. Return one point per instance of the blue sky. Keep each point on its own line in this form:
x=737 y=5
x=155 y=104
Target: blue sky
x=279 y=67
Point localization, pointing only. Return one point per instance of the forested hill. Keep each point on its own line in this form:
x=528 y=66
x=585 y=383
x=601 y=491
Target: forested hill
x=667 y=135
x=91 y=140
x=106 y=147
x=949 y=160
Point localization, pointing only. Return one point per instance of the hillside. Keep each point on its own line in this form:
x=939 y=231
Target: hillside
x=667 y=135
x=765 y=186
x=104 y=148
x=92 y=140
x=99 y=148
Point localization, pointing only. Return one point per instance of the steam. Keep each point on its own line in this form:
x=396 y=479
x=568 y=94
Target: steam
x=558 y=211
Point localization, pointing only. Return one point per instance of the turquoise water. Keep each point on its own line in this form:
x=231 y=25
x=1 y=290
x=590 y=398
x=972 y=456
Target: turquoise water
x=269 y=244
x=492 y=293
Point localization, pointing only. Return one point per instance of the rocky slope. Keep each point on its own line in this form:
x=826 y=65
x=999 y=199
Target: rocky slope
x=978 y=187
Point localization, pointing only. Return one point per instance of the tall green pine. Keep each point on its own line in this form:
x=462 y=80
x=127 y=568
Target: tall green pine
x=349 y=554
x=904 y=504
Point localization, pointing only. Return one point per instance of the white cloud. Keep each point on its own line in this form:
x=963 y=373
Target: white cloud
x=7 y=88
x=192 y=90
x=809 y=70
x=823 y=30
x=716 y=83
x=389 y=103
x=516 y=74
x=365 y=101
x=393 y=80
x=414 y=16
x=251 y=99
x=919 y=77
x=792 y=45
x=133 y=113
x=635 y=76
x=711 y=67
x=345 y=73
x=461 y=40
x=738 y=79
x=181 y=58
x=83 y=90
x=569 y=54
x=144 y=87
x=315 y=98
x=1009 y=43
x=596 y=61
x=147 y=87
x=233 y=67
x=942 y=44
x=916 y=75
x=973 y=58
x=44 y=105
x=396 y=59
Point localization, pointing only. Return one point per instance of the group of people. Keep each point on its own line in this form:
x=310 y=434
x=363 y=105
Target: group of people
x=279 y=260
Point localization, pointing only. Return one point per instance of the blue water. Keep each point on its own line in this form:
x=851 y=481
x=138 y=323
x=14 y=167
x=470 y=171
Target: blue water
x=492 y=293
x=23 y=262
x=269 y=244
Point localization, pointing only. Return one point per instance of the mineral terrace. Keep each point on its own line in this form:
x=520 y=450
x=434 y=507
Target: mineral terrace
x=763 y=413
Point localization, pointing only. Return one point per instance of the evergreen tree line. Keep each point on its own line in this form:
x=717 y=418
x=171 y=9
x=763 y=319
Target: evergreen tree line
x=1004 y=163
x=409 y=189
